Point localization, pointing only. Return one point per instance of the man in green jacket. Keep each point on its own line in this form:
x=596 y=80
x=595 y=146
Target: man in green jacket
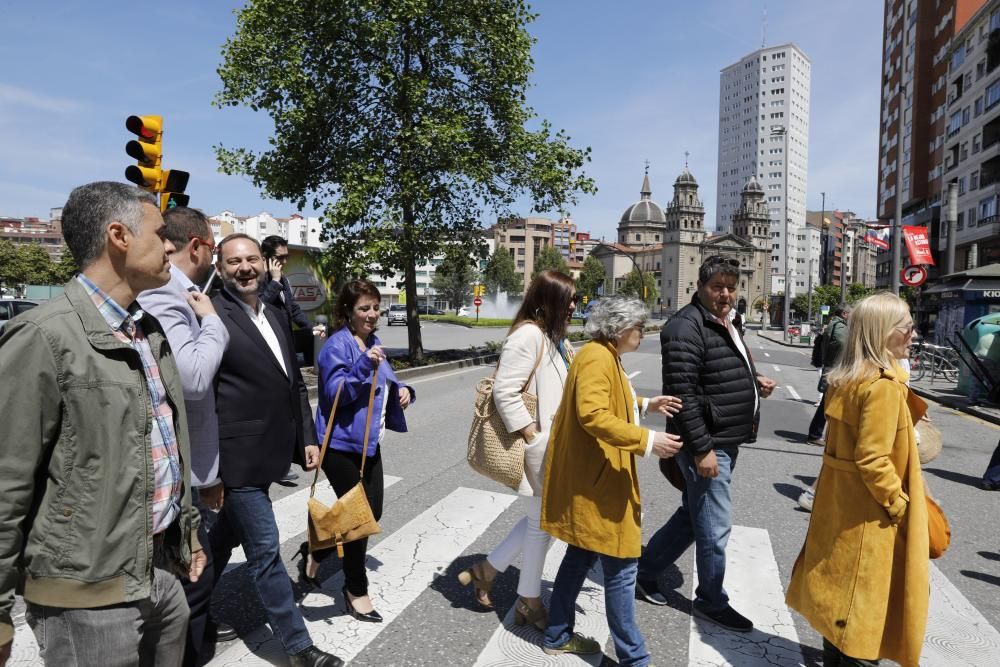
x=95 y=509
x=833 y=347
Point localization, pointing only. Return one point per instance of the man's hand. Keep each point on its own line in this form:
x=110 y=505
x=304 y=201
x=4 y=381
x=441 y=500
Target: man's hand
x=665 y=405
x=767 y=385
x=198 y=562
x=312 y=457
x=200 y=304
x=707 y=464
x=666 y=445
x=211 y=496
x=404 y=397
x=274 y=268
x=5 y=652
x=529 y=432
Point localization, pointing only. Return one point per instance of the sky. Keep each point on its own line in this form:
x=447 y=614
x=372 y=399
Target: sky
x=634 y=80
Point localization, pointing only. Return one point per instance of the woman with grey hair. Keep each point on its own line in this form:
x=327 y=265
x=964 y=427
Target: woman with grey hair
x=591 y=496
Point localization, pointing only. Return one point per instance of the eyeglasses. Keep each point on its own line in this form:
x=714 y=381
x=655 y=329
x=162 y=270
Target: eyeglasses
x=281 y=258
x=719 y=259
x=210 y=244
x=906 y=329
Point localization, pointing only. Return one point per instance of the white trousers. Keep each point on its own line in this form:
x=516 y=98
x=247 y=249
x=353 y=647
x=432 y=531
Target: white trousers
x=531 y=542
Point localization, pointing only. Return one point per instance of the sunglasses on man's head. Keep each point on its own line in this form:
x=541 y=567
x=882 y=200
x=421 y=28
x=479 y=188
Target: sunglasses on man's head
x=719 y=259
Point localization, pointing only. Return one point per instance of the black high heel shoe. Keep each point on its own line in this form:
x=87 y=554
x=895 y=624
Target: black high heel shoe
x=370 y=617
x=303 y=556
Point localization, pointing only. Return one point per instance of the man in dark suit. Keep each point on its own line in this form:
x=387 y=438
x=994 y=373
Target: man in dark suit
x=264 y=423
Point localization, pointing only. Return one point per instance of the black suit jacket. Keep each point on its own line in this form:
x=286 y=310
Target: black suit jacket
x=264 y=417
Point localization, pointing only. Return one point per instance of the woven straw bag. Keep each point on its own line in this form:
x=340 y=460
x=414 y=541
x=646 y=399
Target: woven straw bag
x=928 y=441
x=351 y=517
x=493 y=451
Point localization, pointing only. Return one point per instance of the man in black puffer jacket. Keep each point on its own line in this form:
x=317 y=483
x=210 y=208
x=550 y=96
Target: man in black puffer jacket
x=706 y=364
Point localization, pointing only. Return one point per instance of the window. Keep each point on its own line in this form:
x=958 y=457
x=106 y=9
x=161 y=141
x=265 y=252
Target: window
x=993 y=94
x=638 y=237
x=978 y=107
x=974 y=180
x=987 y=208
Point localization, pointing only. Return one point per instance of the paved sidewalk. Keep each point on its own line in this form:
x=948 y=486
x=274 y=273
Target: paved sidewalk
x=946 y=393
x=774 y=336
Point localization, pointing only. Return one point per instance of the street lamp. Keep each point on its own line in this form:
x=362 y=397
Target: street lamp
x=782 y=131
x=615 y=251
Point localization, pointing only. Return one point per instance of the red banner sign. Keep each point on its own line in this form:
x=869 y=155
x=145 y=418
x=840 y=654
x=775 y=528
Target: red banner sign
x=918 y=244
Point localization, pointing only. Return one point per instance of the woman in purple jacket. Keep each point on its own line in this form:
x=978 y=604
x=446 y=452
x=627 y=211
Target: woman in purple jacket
x=349 y=357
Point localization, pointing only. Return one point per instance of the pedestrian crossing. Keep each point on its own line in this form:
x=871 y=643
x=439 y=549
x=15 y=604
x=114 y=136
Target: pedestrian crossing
x=408 y=560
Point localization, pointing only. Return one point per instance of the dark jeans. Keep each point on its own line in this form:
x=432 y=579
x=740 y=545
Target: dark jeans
x=145 y=633
x=247 y=519
x=619 y=603
x=343 y=469
x=703 y=519
x=199 y=593
x=832 y=657
x=818 y=423
x=992 y=474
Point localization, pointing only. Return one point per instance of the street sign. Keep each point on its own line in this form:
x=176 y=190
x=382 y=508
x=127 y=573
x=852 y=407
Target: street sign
x=913 y=275
x=824 y=309
x=477 y=302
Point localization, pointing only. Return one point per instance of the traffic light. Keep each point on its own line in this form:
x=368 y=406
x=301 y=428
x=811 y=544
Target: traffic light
x=174 y=183
x=585 y=299
x=147 y=152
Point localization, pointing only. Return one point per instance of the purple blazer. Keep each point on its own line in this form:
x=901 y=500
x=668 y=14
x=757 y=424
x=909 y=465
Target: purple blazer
x=340 y=360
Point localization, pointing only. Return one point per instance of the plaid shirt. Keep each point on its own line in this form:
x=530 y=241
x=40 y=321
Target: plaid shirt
x=163 y=440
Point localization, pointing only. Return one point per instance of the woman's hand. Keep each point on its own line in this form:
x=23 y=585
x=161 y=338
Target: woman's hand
x=404 y=397
x=665 y=405
x=376 y=354
x=665 y=445
x=529 y=432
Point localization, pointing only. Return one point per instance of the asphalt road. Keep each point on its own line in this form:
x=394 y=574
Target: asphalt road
x=440 y=517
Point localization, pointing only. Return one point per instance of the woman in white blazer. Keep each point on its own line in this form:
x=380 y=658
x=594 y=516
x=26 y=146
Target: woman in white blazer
x=537 y=354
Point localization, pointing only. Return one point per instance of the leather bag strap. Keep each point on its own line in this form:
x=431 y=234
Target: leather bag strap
x=329 y=429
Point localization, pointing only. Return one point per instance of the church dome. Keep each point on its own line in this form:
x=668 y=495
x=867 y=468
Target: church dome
x=644 y=210
x=685 y=178
x=753 y=186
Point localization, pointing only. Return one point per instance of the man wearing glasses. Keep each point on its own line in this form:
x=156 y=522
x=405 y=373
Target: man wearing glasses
x=707 y=365
x=198 y=338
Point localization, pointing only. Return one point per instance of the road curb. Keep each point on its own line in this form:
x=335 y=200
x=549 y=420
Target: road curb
x=956 y=404
x=801 y=346
x=431 y=369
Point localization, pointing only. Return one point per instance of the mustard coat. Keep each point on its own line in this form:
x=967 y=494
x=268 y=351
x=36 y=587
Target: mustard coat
x=861 y=578
x=591 y=496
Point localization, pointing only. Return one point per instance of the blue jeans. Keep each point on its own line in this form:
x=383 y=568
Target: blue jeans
x=619 y=602
x=992 y=474
x=247 y=519
x=703 y=519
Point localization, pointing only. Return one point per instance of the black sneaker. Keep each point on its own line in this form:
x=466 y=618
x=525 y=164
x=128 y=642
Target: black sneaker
x=728 y=618
x=648 y=590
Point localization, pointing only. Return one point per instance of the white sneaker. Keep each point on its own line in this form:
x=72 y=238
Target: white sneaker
x=806 y=500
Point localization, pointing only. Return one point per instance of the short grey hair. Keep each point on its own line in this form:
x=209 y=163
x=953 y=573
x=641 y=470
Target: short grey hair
x=92 y=207
x=607 y=318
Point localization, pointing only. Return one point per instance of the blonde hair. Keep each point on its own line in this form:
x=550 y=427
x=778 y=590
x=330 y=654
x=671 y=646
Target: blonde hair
x=866 y=352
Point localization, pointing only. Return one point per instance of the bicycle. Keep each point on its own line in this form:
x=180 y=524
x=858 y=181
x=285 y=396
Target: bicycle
x=937 y=360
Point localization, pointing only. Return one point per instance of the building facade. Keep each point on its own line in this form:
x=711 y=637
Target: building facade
x=766 y=90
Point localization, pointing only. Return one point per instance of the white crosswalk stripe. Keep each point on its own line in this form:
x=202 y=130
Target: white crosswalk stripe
x=409 y=559
x=792 y=392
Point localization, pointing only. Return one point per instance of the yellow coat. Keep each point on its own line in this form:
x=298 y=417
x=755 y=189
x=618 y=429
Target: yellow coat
x=591 y=497
x=861 y=578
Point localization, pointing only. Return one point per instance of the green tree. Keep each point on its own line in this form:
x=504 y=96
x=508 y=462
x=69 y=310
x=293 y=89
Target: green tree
x=592 y=276
x=549 y=258
x=65 y=268
x=37 y=268
x=857 y=291
x=405 y=120
x=500 y=274
x=822 y=295
x=633 y=286
x=454 y=277
x=11 y=271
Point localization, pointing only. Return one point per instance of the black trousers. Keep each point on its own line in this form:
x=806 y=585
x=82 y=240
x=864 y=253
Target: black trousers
x=832 y=657
x=199 y=593
x=343 y=469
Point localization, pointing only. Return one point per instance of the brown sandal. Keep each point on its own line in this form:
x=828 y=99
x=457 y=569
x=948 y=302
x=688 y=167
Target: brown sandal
x=523 y=614
x=476 y=575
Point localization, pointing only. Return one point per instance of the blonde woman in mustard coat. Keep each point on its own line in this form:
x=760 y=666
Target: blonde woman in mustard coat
x=861 y=579
x=591 y=498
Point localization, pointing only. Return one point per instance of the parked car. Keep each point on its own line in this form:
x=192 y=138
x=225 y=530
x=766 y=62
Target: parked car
x=466 y=311
x=397 y=314
x=428 y=310
x=11 y=308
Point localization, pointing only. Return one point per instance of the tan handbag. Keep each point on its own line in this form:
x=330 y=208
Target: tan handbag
x=928 y=441
x=938 y=529
x=350 y=518
x=493 y=451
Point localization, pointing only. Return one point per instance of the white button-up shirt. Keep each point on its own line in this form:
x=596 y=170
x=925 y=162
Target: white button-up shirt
x=260 y=321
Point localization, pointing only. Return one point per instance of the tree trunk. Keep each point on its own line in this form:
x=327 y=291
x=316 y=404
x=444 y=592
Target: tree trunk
x=416 y=345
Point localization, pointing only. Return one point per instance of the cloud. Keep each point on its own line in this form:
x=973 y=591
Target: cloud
x=11 y=96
